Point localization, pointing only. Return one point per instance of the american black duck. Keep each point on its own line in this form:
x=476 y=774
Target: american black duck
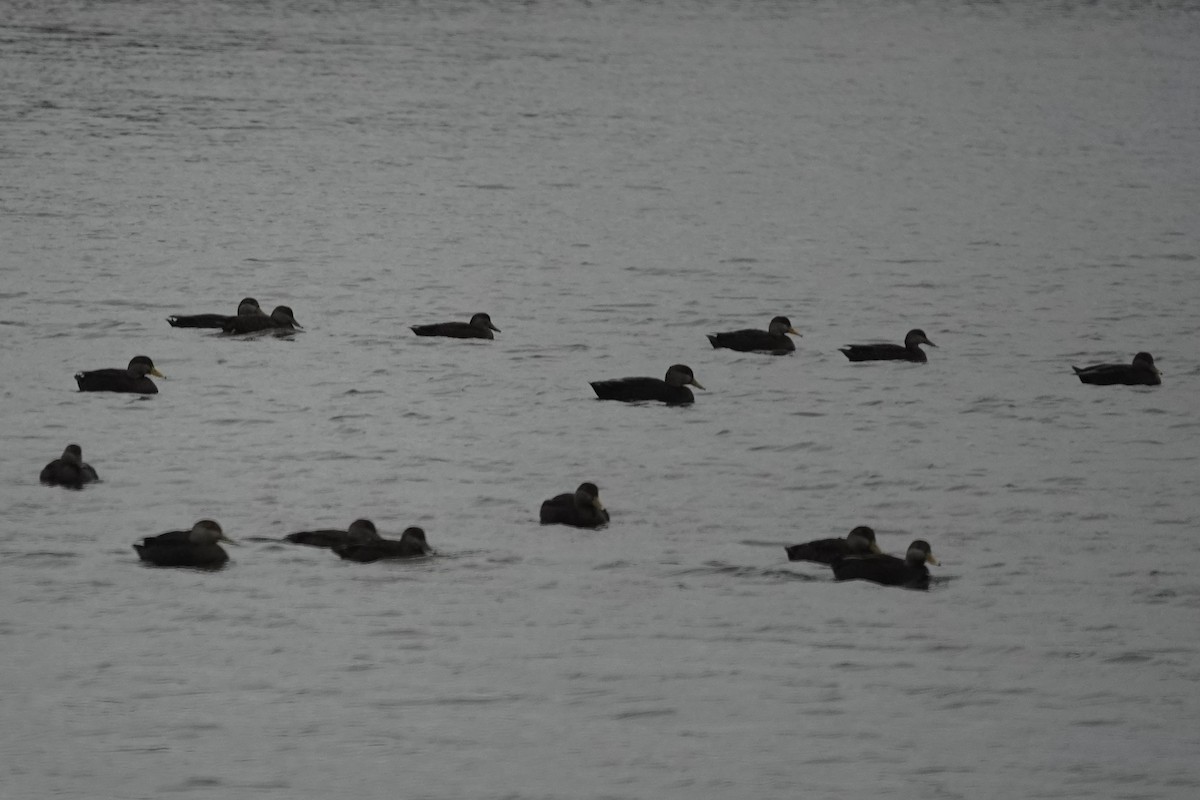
x=480 y=327
x=1141 y=372
x=281 y=318
x=672 y=390
x=582 y=509
x=197 y=547
x=360 y=531
x=909 y=351
x=247 y=308
x=69 y=471
x=859 y=542
x=410 y=545
x=773 y=340
x=909 y=572
x=131 y=379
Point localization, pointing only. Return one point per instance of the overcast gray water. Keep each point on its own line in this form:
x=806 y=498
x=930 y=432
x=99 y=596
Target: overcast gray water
x=611 y=182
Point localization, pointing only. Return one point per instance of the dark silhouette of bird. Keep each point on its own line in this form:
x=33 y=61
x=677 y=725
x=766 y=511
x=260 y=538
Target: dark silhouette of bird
x=909 y=572
x=1141 y=372
x=581 y=509
x=411 y=544
x=281 y=318
x=480 y=327
x=859 y=542
x=773 y=340
x=672 y=390
x=360 y=531
x=132 y=379
x=909 y=351
x=68 y=471
x=247 y=308
x=197 y=547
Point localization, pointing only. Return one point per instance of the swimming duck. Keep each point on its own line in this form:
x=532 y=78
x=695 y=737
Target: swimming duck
x=773 y=340
x=1141 y=372
x=247 y=308
x=281 y=318
x=194 y=548
x=360 y=531
x=909 y=572
x=909 y=351
x=131 y=379
x=480 y=327
x=859 y=542
x=410 y=545
x=672 y=390
x=582 y=509
x=69 y=471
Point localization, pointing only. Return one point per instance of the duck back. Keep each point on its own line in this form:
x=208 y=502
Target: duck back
x=114 y=380
x=632 y=390
x=882 y=569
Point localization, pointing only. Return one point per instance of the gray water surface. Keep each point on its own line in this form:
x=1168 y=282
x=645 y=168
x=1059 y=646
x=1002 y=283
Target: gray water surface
x=610 y=182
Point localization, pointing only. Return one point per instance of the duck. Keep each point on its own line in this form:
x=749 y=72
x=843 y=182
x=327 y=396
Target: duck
x=281 y=318
x=773 y=340
x=247 y=308
x=412 y=544
x=132 y=379
x=909 y=351
x=360 y=531
x=197 y=547
x=1141 y=372
x=69 y=471
x=672 y=389
x=909 y=572
x=859 y=542
x=581 y=509
x=480 y=327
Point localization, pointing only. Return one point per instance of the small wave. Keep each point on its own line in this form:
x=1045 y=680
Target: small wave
x=769 y=574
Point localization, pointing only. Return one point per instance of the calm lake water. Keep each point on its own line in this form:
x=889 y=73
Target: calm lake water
x=610 y=181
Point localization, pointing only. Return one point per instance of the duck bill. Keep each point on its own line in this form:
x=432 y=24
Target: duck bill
x=696 y=383
x=926 y=341
x=874 y=548
x=596 y=504
x=154 y=371
x=493 y=327
x=792 y=331
x=929 y=559
x=227 y=540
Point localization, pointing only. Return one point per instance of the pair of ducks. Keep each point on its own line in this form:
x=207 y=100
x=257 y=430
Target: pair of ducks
x=361 y=542
x=774 y=340
x=249 y=318
x=200 y=546
x=857 y=557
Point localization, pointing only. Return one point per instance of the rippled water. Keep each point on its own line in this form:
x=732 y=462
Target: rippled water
x=611 y=182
